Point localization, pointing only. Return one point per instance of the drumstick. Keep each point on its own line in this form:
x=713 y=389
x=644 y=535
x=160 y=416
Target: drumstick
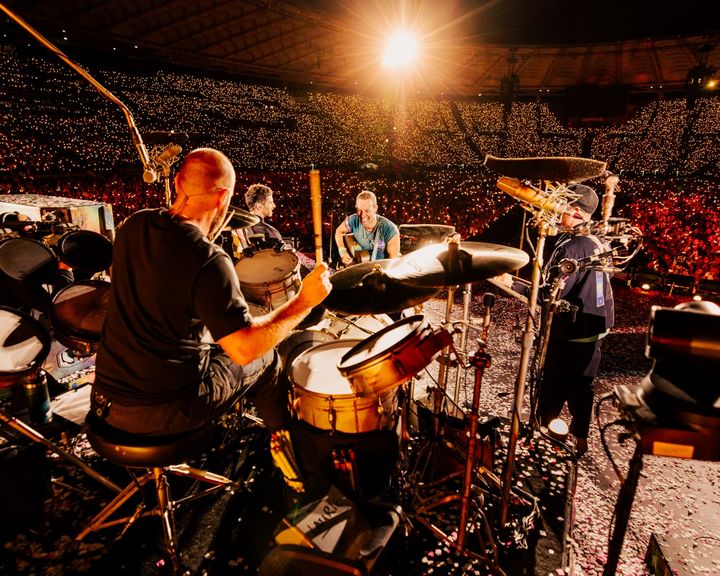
x=316 y=212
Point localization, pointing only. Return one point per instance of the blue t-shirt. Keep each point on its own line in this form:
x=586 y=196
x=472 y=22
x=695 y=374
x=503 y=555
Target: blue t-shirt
x=384 y=229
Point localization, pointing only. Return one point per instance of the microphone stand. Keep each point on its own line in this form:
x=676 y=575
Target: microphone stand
x=150 y=173
x=527 y=343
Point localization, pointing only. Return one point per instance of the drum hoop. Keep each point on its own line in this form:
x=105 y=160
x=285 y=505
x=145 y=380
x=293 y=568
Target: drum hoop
x=291 y=371
x=344 y=365
x=270 y=251
x=43 y=336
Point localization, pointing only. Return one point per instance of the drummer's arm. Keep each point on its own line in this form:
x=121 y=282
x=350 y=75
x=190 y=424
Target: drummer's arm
x=267 y=331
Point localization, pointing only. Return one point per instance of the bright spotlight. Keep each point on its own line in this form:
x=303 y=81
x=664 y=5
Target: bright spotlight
x=400 y=51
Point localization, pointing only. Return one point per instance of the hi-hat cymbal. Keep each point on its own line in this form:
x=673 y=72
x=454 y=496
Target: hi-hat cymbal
x=241 y=219
x=558 y=168
x=365 y=289
x=451 y=264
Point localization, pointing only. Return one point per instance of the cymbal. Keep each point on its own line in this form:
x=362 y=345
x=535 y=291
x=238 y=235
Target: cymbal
x=365 y=289
x=241 y=219
x=559 y=168
x=159 y=138
x=450 y=264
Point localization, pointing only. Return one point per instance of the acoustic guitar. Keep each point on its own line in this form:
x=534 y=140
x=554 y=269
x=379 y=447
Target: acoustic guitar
x=356 y=251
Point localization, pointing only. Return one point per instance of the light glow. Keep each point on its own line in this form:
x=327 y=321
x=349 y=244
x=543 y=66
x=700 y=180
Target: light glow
x=400 y=51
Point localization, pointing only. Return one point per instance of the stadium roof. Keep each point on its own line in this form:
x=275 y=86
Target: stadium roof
x=469 y=45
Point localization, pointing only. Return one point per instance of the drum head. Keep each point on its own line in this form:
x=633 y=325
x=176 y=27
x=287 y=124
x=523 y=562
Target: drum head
x=315 y=369
x=381 y=343
x=24 y=345
x=296 y=343
x=27 y=260
x=85 y=250
x=78 y=314
x=266 y=266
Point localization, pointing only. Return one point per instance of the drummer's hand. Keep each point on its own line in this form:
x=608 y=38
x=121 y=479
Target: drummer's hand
x=346 y=259
x=315 y=286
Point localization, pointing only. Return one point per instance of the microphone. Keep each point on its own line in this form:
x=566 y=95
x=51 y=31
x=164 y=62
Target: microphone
x=611 y=182
x=167 y=156
x=531 y=195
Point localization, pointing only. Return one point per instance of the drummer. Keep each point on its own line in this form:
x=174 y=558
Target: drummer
x=376 y=235
x=155 y=375
x=259 y=200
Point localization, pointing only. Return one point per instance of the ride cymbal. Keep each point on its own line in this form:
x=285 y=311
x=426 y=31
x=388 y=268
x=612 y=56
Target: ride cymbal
x=451 y=264
x=365 y=288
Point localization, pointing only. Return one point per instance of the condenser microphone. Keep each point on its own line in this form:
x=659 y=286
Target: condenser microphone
x=166 y=157
x=531 y=195
x=488 y=303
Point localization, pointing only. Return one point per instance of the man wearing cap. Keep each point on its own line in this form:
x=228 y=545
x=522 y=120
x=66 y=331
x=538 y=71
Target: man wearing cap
x=573 y=352
x=157 y=372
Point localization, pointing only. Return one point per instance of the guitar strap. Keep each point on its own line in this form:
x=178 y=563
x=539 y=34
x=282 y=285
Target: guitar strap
x=375 y=242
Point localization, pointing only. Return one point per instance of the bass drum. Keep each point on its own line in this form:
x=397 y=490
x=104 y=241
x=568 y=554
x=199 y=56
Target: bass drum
x=24 y=346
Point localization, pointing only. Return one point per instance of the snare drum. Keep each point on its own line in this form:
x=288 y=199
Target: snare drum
x=269 y=278
x=324 y=399
x=85 y=250
x=24 y=346
x=77 y=314
x=392 y=356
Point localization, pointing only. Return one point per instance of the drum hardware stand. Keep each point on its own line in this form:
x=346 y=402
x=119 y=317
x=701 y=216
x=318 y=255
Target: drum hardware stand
x=527 y=344
x=35 y=436
x=480 y=360
x=467 y=297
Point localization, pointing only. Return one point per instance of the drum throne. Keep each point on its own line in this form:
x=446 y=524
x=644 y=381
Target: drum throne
x=160 y=457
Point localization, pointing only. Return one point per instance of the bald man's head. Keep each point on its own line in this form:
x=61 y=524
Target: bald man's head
x=204 y=170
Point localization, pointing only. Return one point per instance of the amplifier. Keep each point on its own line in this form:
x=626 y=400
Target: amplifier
x=84 y=214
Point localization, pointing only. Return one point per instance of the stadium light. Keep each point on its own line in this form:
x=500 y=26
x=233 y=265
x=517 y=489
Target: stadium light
x=400 y=51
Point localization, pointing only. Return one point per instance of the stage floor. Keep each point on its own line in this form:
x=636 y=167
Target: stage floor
x=232 y=533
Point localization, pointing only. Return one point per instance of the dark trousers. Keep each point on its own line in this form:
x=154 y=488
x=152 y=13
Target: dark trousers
x=224 y=385
x=568 y=376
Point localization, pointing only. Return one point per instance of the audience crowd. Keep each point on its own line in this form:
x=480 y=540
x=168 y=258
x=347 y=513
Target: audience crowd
x=423 y=158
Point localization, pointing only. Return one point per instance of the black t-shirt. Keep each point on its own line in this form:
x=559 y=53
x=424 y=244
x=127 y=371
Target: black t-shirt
x=168 y=282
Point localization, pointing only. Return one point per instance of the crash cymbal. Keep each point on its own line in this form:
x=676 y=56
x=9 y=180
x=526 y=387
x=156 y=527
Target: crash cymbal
x=451 y=264
x=557 y=168
x=414 y=236
x=241 y=219
x=365 y=289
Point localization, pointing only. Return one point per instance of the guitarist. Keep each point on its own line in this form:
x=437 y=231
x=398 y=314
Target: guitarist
x=368 y=235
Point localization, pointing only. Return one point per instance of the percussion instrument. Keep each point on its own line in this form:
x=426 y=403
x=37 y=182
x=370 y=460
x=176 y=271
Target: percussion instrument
x=392 y=356
x=454 y=263
x=24 y=345
x=366 y=288
x=25 y=265
x=77 y=315
x=414 y=236
x=241 y=219
x=559 y=168
x=325 y=400
x=85 y=251
x=268 y=277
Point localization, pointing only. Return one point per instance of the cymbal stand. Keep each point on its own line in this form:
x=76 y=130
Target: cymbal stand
x=480 y=360
x=527 y=344
x=467 y=296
